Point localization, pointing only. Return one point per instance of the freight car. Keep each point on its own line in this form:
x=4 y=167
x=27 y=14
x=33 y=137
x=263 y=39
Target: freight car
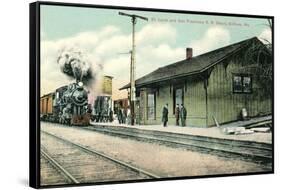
x=67 y=104
x=46 y=106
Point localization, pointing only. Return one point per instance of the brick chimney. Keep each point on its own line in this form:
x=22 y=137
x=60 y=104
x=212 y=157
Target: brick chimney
x=188 y=53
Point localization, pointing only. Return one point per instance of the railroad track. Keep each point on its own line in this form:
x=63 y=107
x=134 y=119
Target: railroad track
x=52 y=172
x=80 y=164
x=260 y=153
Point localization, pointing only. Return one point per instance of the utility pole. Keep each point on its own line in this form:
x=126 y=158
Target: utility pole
x=130 y=93
x=133 y=64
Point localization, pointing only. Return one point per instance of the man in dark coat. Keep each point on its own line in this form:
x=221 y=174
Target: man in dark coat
x=124 y=115
x=183 y=115
x=177 y=114
x=165 y=113
x=110 y=115
x=119 y=115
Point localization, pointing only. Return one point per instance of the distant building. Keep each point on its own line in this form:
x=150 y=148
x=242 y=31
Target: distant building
x=103 y=102
x=217 y=84
x=107 y=85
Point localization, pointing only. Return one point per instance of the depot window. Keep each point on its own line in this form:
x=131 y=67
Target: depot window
x=151 y=99
x=178 y=96
x=242 y=83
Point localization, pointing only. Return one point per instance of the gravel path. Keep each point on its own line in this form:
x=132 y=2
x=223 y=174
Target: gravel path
x=161 y=160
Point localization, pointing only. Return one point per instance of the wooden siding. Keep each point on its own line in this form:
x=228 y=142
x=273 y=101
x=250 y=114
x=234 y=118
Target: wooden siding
x=165 y=96
x=142 y=107
x=194 y=101
x=225 y=105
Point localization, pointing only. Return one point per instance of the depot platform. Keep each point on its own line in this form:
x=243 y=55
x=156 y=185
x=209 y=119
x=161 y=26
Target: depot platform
x=213 y=132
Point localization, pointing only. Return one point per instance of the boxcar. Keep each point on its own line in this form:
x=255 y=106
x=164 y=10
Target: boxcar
x=46 y=106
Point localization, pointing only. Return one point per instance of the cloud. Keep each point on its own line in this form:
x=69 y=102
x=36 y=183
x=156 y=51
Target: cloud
x=155 y=56
x=156 y=33
x=214 y=37
x=51 y=76
x=154 y=49
x=265 y=36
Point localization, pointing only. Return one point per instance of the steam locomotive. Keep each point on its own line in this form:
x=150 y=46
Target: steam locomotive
x=67 y=104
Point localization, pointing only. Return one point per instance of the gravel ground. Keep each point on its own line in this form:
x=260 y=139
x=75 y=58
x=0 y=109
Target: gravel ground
x=84 y=167
x=49 y=175
x=161 y=160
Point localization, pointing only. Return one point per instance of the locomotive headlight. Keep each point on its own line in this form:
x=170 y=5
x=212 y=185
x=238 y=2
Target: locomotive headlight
x=80 y=84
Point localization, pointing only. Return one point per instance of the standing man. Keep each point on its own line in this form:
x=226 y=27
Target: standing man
x=124 y=115
x=128 y=116
x=119 y=115
x=165 y=113
x=183 y=115
x=177 y=114
x=111 y=115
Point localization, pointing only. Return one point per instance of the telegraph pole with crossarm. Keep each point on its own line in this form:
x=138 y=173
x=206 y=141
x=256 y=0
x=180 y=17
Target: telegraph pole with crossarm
x=133 y=64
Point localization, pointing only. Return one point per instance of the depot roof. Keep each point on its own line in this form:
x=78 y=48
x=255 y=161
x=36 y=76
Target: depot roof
x=195 y=65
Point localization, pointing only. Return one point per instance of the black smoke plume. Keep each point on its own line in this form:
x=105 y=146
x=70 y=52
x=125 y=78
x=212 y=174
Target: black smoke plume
x=82 y=67
x=73 y=64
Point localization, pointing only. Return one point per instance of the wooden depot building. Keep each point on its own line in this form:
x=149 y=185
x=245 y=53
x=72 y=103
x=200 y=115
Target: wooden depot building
x=212 y=86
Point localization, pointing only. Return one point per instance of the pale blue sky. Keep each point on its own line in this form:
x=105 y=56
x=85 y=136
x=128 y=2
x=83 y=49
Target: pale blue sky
x=63 y=21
